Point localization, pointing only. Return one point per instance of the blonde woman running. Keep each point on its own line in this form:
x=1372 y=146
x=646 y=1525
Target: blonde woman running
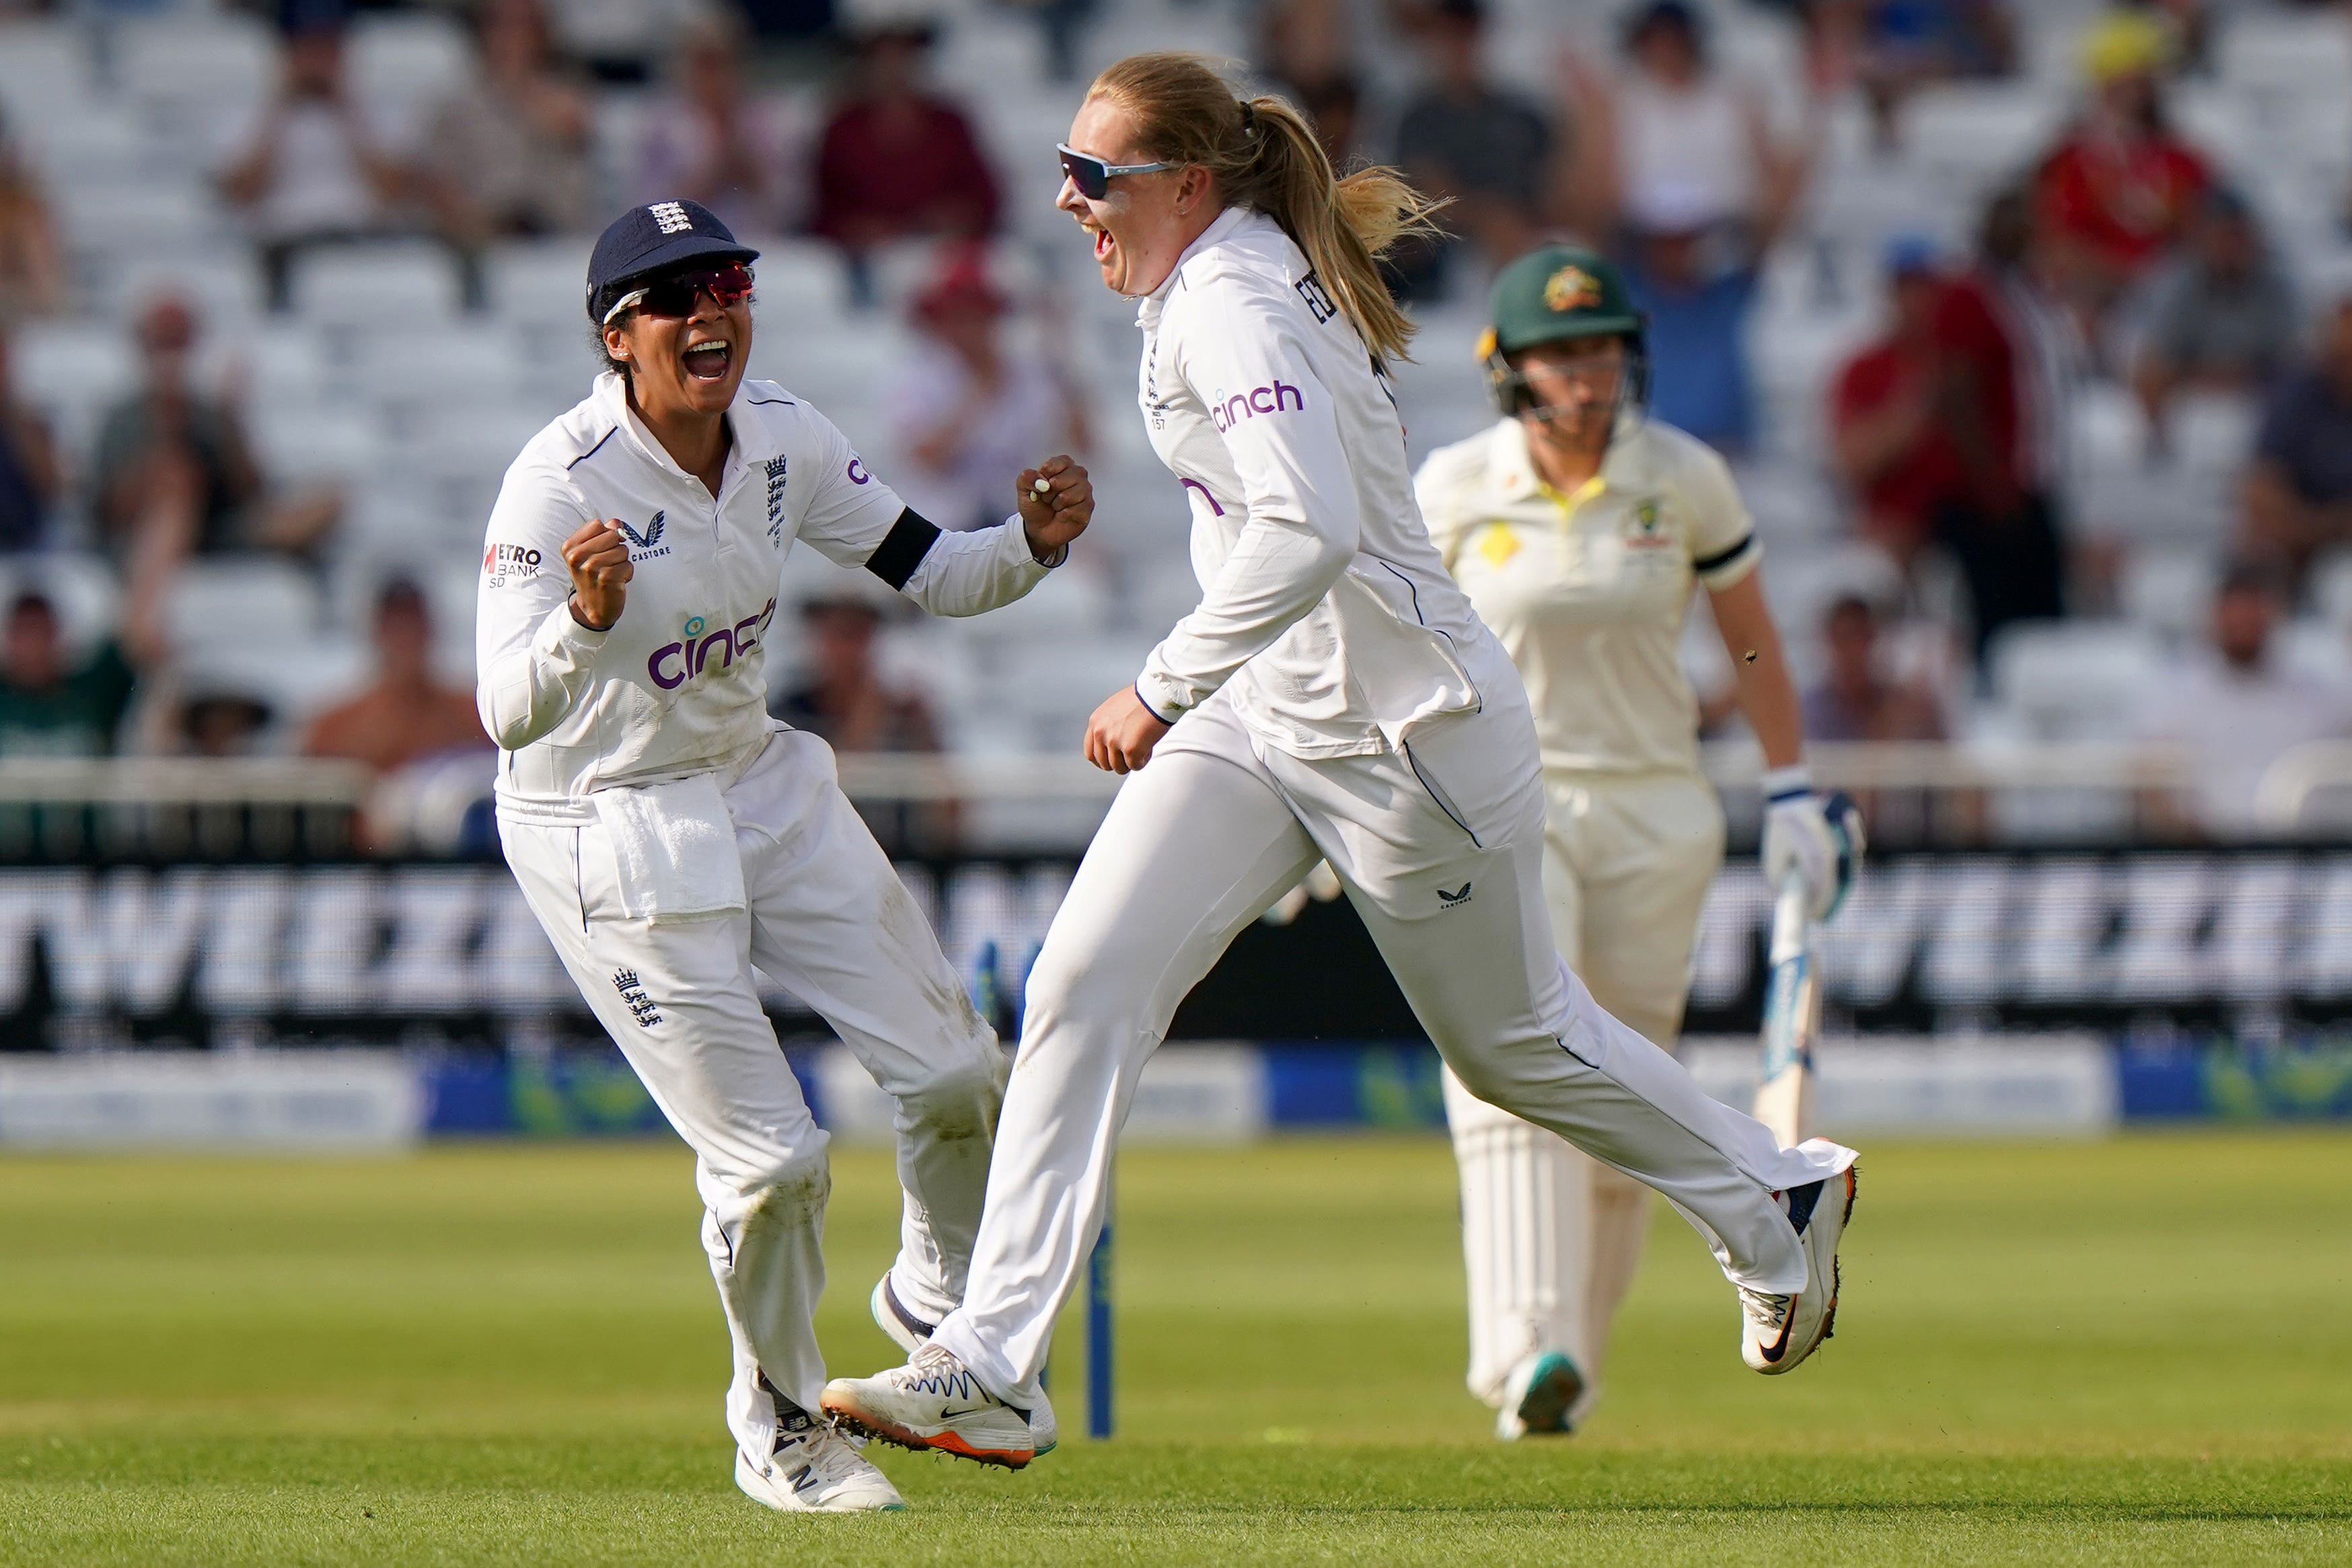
x=1333 y=698
x=1579 y=526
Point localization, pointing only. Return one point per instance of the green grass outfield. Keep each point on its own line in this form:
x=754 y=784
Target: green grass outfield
x=2132 y=1352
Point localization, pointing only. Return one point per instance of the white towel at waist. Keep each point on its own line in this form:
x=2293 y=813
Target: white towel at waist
x=673 y=848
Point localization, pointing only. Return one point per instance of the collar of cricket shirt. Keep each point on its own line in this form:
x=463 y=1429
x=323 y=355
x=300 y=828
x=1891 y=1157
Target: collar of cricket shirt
x=747 y=437
x=1148 y=308
x=1512 y=471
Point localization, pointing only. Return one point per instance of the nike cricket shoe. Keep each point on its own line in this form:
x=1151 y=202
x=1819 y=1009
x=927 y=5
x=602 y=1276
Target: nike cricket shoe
x=1538 y=1396
x=1779 y=1331
x=910 y=1333
x=933 y=1403
x=815 y=1469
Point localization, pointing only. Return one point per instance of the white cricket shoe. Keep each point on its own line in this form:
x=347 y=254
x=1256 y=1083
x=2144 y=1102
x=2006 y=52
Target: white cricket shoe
x=935 y=1403
x=1538 y=1396
x=910 y=1334
x=1778 y=1332
x=817 y=1470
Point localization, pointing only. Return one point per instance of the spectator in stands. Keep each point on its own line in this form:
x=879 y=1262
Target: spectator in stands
x=848 y=701
x=220 y=722
x=1888 y=444
x=32 y=264
x=174 y=470
x=311 y=170
x=2298 y=492
x=1059 y=25
x=2004 y=380
x=1855 y=700
x=1483 y=147
x=29 y=475
x=2119 y=188
x=2219 y=317
x=506 y=156
x=2235 y=710
x=53 y=706
x=967 y=403
x=1890 y=48
x=1303 y=43
x=708 y=139
x=408 y=715
x=1335 y=107
x=1678 y=169
x=897 y=162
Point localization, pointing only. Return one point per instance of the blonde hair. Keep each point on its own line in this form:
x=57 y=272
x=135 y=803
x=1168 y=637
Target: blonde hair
x=1264 y=157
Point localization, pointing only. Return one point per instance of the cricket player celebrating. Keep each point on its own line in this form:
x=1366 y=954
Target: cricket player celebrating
x=1334 y=697
x=1577 y=526
x=670 y=837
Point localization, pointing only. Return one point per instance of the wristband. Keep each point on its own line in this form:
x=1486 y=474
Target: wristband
x=1787 y=783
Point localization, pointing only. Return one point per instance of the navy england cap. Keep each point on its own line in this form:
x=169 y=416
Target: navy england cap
x=648 y=241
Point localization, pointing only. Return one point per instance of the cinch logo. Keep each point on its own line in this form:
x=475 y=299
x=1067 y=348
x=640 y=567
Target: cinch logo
x=671 y=218
x=856 y=471
x=1225 y=413
x=675 y=663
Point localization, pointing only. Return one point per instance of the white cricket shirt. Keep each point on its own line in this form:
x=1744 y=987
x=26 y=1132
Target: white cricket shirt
x=1588 y=592
x=678 y=686
x=1324 y=603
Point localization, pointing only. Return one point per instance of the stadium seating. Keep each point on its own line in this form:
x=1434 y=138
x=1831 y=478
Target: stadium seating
x=378 y=380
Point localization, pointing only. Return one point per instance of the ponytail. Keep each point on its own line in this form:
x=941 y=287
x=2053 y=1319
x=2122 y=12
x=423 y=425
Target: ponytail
x=1264 y=157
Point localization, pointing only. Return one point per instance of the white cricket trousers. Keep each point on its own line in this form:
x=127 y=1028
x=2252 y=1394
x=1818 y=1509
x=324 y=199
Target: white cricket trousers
x=1440 y=848
x=1551 y=1238
x=827 y=918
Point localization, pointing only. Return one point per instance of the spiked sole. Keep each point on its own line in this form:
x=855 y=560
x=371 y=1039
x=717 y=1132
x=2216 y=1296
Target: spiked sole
x=1829 y=1318
x=945 y=1443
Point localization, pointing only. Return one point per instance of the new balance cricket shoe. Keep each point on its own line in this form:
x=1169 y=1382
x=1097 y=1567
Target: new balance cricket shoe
x=1779 y=1331
x=933 y=1403
x=910 y=1333
x=815 y=1469
x=1538 y=1396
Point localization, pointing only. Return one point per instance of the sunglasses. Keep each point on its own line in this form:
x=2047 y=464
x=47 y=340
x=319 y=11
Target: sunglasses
x=1092 y=176
x=674 y=296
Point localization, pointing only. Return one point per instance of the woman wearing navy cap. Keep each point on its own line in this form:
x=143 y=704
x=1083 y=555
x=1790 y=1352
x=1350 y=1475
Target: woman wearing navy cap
x=671 y=838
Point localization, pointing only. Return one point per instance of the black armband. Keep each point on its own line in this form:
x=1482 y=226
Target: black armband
x=902 y=550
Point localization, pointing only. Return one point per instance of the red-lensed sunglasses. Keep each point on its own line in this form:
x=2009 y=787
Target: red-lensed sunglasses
x=674 y=296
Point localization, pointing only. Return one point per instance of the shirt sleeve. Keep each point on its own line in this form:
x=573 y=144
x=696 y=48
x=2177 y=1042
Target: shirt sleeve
x=966 y=573
x=1723 y=543
x=1246 y=358
x=849 y=511
x=534 y=660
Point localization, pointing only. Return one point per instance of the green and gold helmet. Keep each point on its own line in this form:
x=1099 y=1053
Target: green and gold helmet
x=1549 y=296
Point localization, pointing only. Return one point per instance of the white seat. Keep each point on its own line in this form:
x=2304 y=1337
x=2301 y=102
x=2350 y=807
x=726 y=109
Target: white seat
x=542 y=280
x=2168 y=590
x=255 y=601
x=147 y=219
x=82 y=587
x=383 y=284
x=409 y=59
x=44 y=70
x=217 y=57
x=2082 y=680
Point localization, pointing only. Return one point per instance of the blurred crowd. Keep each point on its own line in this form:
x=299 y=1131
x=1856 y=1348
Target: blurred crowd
x=2121 y=266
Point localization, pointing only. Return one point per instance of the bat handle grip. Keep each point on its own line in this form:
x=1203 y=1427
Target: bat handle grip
x=1791 y=921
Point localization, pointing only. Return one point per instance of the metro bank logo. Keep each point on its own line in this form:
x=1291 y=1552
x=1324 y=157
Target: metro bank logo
x=1225 y=413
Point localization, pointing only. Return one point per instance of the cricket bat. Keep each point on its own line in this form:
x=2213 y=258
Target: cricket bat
x=1793 y=1020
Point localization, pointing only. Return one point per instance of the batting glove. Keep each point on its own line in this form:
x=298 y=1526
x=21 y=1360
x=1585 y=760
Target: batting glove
x=1819 y=838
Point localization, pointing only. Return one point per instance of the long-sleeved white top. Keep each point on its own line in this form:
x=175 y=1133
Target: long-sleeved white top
x=1324 y=604
x=678 y=686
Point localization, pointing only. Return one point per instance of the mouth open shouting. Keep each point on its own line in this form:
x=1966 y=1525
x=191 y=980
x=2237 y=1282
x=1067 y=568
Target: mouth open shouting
x=708 y=358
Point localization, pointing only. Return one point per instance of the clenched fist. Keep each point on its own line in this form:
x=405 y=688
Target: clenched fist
x=598 y=558
x=1055 y=516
